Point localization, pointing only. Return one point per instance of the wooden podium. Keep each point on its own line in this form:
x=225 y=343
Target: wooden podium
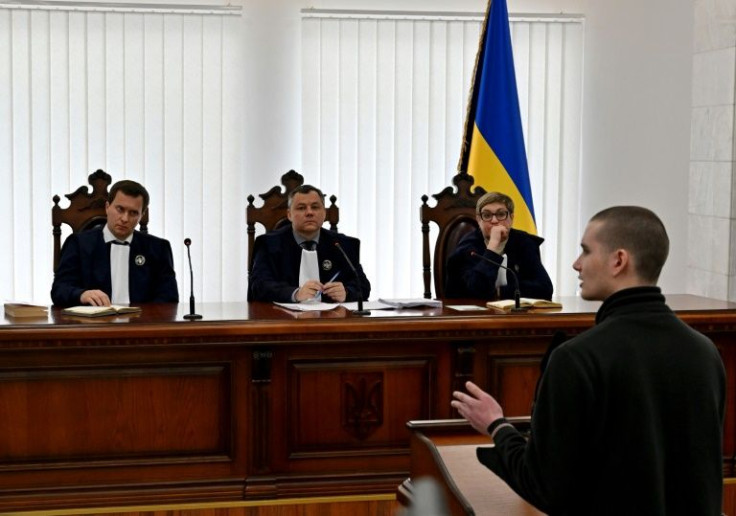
x=445 y=451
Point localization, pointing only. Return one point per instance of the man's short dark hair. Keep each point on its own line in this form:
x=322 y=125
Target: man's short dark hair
x=494 y=197
x=639 y=231
x=305 y=189
x=130 y=188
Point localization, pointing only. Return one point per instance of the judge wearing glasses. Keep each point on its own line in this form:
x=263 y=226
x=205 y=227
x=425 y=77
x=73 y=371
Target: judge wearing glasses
x=470 y=276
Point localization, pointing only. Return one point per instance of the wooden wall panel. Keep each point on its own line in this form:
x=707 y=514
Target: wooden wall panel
x=514 y=379
x=110 y=413
x=352 y=404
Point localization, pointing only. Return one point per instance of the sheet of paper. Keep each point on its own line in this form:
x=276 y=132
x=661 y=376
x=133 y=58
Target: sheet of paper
x=368 y=305
x=312 y=306
x=412 y=302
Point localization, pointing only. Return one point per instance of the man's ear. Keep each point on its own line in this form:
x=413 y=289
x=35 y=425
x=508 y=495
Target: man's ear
x=620 y=261
x=288 y=214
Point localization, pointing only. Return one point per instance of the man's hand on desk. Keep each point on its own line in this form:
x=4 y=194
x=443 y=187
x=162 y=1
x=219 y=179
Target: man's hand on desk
x=477 y=406
x=94 y=298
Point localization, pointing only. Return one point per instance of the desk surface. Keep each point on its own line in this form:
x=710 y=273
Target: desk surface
x=484 y=490
x=164 y=324
x=240 y=312
x=446 y=451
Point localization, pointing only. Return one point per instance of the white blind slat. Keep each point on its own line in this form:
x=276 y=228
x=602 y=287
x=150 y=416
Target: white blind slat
x=129 y=91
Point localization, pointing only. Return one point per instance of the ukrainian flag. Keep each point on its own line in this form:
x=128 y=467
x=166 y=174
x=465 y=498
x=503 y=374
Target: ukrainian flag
x=493 y=147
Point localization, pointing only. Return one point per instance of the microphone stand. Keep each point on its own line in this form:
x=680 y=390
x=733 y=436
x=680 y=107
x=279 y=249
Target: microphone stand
x=517 y=292
x=191 y=316
x=360 y=310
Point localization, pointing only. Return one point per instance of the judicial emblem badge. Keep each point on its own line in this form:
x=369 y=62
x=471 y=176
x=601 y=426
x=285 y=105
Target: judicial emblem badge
x=140 y=259
x=326 y=265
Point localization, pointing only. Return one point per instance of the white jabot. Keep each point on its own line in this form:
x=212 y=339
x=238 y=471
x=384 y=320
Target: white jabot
x=309 y=267
x=501 y=278
x=119 y=268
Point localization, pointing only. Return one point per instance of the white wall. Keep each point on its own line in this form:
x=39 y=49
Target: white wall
x=636 y=115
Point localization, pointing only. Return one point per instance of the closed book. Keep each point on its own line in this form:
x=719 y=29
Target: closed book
x=24 y=310
x=98 y=311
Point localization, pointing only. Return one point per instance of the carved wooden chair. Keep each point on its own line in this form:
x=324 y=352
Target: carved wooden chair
x=86 y=210
x=272 y=215
x=454 y=215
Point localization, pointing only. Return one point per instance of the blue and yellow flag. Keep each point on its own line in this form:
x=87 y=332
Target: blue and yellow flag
x=493 y=145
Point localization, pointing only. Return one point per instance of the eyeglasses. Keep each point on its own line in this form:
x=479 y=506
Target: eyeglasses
x=500 y=215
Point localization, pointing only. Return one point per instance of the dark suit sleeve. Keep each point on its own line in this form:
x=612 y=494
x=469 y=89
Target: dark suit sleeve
x=66 y=288
x=471 y=277
x=266 y=282
x=164 y=288
x=525 y=259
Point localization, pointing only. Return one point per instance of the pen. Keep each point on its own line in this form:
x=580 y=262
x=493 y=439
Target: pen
x=333 y=278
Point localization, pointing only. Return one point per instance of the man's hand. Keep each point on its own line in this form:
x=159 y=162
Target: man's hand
x=308 y=291
x=477 y=406
x=336 y=291
x=94 y=298
x=498 y=238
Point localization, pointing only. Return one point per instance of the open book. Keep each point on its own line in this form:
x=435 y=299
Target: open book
x=98 y=311
x=525 y=302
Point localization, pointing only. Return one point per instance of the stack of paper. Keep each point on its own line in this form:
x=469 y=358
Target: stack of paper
x=412 y=302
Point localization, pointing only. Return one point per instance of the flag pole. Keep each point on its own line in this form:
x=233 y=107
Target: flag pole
x=462 y=165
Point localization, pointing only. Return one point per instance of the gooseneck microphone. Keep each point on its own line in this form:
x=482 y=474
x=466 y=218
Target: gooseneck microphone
x=517 y=292
x=360 y=310
x=191 y=316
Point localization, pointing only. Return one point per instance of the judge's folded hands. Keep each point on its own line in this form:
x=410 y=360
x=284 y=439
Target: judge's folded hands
x=335 y=290
x=477 y=406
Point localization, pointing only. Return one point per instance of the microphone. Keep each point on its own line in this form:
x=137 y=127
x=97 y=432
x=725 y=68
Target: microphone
x=517 y=293
x=360 y=310
x=191 y=316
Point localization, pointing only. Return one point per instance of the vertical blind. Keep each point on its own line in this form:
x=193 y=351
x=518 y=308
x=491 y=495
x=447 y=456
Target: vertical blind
x=144 y=93
x=154 y=93
x=384 y=102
